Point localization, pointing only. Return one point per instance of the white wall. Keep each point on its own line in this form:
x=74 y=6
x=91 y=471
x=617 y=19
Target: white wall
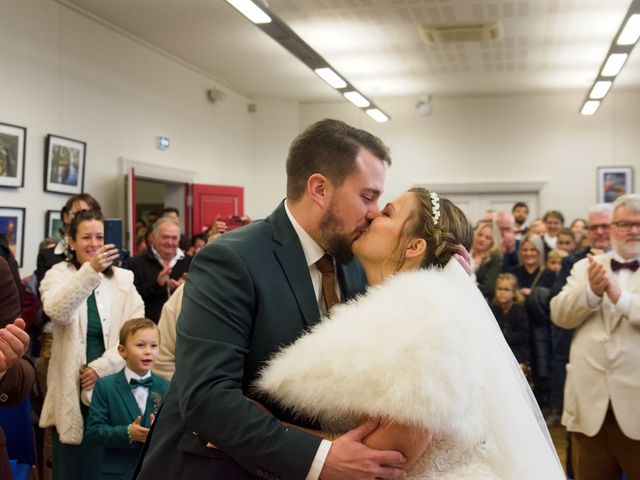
x=65 y=74
x=526 y=138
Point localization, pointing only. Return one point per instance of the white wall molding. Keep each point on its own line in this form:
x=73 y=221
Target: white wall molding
x=483 y=187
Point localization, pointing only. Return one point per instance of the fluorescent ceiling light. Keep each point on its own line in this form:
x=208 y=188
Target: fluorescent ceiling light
x=331 y=77
x=590 y=107
x=631 y=31
x=378 y=116
x=250 y=10
x=357 y=99
x=600 y=89
x=614 y=64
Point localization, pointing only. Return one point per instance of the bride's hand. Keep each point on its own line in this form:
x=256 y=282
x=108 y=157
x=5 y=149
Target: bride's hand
x=463 y=258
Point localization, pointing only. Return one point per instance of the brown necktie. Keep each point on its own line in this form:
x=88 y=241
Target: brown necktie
x=325 y=265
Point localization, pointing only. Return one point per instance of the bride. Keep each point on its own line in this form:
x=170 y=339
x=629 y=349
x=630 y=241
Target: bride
x=421 y=353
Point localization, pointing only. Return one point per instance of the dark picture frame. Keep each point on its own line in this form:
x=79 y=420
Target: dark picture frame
x=614 y=182
x=12 y=228
x=64 y=165
x=13 y=147
x=53 y=223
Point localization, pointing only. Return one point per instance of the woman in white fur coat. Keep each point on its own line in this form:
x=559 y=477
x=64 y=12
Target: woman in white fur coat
x=87 y=300
x=420 y=353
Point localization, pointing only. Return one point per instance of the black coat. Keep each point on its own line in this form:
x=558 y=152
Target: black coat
x=515 y=328
x=145 y=269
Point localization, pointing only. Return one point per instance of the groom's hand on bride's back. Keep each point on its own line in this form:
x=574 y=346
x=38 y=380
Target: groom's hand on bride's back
x=350 y=458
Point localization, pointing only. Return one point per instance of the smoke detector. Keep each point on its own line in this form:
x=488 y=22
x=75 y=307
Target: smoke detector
x=461 y=32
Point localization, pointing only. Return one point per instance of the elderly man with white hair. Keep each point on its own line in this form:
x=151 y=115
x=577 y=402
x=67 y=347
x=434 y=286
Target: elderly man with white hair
x=601 y=301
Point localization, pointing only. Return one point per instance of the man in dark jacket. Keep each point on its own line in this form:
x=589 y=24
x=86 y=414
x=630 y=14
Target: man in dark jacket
x=159 y=271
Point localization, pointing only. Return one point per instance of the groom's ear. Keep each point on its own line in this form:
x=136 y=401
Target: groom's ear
x=416 y=248
x=319 y=189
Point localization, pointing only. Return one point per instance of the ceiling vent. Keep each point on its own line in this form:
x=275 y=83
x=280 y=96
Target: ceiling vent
x=462 y=32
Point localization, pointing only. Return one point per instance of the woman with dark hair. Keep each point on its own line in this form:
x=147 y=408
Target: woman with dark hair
x=87 y=299
x=421 y=354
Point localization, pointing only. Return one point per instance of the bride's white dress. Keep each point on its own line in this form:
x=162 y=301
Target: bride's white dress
x=421 y=349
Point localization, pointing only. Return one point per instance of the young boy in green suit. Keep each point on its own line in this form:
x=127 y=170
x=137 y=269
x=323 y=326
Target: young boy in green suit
x=124 y=404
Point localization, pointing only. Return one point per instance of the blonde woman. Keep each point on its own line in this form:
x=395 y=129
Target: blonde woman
x=530 y=272
x=486 y=257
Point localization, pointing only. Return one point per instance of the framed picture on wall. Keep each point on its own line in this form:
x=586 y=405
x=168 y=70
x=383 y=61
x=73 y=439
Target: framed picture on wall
x=53 y=224
x=64 y=165
x=12 y=228
x=13 y=141
x=613 y=182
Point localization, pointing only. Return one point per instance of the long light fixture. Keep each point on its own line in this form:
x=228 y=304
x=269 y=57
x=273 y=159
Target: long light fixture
x=357 y=99
x=270 y=24
x=600 y=89
x=613 y=64
x=332 y=78
x=631 y=31
x=377 y=115
x=624 y=40
x=251 y=11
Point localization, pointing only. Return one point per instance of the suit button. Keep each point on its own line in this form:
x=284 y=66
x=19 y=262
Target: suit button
x=260 y=472
x=4 y=397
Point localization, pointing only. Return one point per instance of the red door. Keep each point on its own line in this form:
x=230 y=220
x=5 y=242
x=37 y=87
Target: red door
x=211 y=201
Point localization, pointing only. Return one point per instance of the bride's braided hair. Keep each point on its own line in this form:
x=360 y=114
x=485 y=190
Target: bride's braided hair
x=444 y=239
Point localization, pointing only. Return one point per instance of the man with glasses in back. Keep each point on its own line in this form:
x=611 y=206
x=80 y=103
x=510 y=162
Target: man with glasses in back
x=601 y=301
x=598 y=219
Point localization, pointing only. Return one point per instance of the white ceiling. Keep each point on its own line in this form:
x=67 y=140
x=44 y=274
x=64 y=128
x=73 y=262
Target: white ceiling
x=547 y=45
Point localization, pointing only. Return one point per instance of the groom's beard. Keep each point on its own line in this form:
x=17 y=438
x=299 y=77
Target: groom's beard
x=338 y=243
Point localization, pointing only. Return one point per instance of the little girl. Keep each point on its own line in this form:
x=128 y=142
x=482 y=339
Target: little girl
x=507 y=306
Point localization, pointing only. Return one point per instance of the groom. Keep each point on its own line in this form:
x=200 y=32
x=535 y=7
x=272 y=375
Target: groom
x=251 y=292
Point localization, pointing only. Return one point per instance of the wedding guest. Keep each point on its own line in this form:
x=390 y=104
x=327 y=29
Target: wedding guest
x=601 y=301
x=87 y=300
x=486 y=257
x=159 y=271
x=124 y=404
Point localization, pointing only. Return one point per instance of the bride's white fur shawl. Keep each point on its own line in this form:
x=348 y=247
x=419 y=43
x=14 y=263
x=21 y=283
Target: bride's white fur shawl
x=402 y=351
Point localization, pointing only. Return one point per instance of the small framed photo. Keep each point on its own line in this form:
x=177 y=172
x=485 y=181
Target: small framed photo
x=53 y=226
x=13 y=142
x=64 y=165
x=12 y=227
x=614 y=182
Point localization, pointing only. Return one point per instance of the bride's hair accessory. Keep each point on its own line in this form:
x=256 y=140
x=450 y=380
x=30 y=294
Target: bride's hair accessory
x=435 y=207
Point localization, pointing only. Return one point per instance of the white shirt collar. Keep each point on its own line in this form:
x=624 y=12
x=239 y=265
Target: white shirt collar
x=129 y=374
x=178 y=256
x=60 y=247
x=312 y=251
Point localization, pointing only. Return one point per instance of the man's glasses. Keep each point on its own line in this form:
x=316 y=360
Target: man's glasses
x=600 y=226
x=626 y=227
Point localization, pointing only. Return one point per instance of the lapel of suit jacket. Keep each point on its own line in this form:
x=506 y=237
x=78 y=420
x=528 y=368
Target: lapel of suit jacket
x=352 y=279
x=633 y=285
x=153 y=401
x=634 y=282
x=294 y=264
x=124 y=390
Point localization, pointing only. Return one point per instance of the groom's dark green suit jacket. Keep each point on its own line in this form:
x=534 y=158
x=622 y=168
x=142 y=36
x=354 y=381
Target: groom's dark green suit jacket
x=247 y=294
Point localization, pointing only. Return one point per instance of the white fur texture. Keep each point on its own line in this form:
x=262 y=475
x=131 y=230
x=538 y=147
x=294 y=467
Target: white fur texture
x=402 y=351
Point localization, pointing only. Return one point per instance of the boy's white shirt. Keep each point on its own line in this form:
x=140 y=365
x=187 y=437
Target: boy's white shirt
x=141 y=394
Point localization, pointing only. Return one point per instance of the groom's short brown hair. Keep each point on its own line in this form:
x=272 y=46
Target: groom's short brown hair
x=328 y=147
